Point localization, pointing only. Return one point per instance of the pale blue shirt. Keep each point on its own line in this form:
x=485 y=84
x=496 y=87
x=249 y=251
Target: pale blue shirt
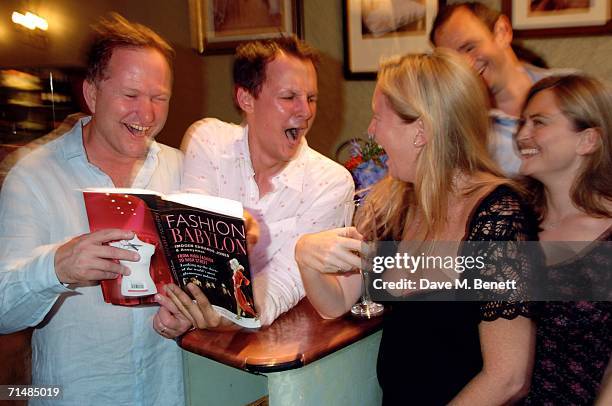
x=504 y=127
x=99 y=353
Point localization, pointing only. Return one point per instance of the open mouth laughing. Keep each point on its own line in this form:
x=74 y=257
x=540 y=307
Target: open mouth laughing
x=137 y=130
x=527 y=151
x=293 y=133
x=480 y=69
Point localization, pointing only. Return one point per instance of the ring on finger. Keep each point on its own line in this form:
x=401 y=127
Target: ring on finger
x=163 y=330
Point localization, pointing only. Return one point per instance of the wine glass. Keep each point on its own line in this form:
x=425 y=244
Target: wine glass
x=365 y=307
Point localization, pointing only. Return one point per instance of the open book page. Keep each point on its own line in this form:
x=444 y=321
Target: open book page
x=196 y=238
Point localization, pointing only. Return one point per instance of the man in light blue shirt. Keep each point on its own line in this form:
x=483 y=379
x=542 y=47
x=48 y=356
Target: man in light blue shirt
x=50 y=263
x=484 y=37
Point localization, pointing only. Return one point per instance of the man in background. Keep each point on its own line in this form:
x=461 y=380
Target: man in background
x=50 y=264
x=266 y=164
x=484 y=37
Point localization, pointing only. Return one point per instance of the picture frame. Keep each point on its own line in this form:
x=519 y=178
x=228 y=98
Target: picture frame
x=544 y=18
x=219 y=26
x=375 y=29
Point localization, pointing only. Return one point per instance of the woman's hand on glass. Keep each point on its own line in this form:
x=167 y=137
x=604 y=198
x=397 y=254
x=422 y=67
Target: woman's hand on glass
x=331 y=251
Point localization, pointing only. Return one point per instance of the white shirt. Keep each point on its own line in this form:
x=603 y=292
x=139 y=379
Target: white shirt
x=307 y=196
x=98 y=353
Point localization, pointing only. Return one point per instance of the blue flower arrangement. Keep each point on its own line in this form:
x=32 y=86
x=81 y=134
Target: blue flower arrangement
x=367 y=162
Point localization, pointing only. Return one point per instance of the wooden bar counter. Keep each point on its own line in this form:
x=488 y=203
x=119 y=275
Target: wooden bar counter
x=299 y=350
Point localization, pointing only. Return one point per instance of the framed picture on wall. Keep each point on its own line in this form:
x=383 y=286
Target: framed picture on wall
x=546 y=18
x=374 y=29
x=218 y=26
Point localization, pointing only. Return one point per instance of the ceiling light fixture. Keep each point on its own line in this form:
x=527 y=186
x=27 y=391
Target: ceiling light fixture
x=30 y=20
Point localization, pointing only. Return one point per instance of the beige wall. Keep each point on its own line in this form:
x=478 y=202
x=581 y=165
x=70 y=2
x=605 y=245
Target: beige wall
x=203 y=83
x=344 y=106
x=590 y=54
x=323 y=29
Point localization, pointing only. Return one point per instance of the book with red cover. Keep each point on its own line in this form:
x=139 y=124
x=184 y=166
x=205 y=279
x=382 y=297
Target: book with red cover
x=196 y=238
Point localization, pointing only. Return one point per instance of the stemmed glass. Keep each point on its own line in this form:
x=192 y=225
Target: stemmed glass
x=365 y=307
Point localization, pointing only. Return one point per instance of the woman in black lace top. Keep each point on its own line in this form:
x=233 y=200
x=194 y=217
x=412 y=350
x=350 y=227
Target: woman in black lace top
x=430 y=115
x=566 y=152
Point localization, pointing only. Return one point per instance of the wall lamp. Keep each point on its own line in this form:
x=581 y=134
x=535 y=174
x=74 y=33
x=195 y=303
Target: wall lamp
x=30 y=21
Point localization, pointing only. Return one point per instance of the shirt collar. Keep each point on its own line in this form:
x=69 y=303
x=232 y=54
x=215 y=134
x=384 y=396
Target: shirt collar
x=74 y=148
x=534 y=74
x=143 y=178
x=292 y=175
x=501 y=118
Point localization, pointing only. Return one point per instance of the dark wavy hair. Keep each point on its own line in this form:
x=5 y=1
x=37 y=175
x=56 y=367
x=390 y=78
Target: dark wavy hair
x=587 y=103
x=252 y=58
x=485 y=14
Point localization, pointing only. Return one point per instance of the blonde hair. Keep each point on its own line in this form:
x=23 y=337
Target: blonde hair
x=587 y=103
x=116 y=32
x=444 y=92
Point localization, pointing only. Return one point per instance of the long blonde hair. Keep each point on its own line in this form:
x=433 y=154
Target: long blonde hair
x=444 y=92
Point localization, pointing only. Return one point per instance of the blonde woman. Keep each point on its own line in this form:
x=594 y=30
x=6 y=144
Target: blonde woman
x=565 y=144
x=430 y=115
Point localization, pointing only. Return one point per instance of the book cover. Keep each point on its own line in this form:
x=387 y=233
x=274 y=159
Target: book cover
x=182 y=238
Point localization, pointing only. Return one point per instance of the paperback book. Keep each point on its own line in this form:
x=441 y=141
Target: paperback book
x=181 y=238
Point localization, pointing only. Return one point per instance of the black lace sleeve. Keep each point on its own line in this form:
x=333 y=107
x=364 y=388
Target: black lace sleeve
x=499 y=227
